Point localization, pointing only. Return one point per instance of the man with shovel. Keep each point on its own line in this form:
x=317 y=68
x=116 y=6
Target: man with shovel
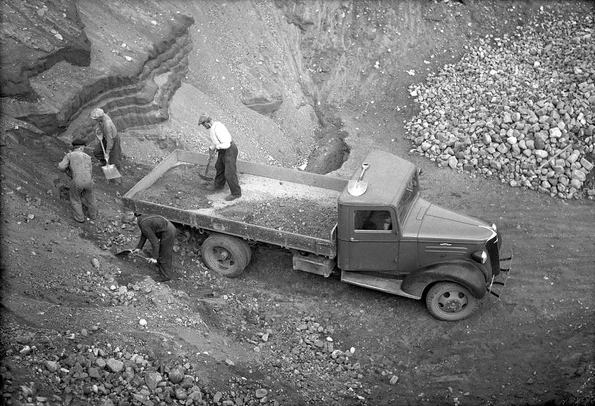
x=78 y=166
x=162 y=235
x=109 y=149
x=227 y=156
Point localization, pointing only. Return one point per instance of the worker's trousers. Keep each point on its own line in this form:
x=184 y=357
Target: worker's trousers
x=166 y=248
x=80 y=196
x=227 y=169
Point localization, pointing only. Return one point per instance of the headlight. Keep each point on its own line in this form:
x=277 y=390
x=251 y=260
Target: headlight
x=480 y=256
x=494 y=228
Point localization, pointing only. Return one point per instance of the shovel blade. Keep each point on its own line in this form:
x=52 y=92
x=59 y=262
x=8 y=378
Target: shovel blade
x=111 y=172
x=123 y=253
x=357 y=187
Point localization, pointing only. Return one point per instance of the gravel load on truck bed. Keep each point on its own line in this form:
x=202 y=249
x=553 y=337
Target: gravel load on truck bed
x=266 y=202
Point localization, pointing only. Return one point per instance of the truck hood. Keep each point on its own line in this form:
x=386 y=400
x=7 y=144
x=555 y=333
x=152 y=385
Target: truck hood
x=438 y=223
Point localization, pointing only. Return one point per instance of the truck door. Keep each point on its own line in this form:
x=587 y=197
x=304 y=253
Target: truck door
x=374 y=241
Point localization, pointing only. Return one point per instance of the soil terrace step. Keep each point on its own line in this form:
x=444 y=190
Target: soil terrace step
x=136 y=102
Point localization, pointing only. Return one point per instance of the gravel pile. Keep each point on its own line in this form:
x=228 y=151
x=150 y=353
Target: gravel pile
x=520 y=108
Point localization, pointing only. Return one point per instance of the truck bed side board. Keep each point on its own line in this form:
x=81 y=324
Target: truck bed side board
x=273 y=172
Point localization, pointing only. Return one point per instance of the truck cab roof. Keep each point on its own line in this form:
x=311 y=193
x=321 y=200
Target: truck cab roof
x=387 y=178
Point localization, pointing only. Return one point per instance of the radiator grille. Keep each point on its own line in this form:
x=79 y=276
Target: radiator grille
x=492 y=248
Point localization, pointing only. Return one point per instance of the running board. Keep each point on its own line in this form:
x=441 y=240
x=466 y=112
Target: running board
x=366 y=280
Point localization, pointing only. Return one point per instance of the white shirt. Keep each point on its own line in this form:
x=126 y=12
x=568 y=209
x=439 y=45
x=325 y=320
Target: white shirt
x=220 y=136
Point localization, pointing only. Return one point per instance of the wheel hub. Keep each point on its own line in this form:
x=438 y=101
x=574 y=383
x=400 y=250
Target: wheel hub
x=453 y=302
x=223 y=255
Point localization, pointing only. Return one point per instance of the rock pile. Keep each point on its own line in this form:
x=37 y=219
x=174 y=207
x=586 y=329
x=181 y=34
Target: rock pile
x=521 y=108
x=102 y=374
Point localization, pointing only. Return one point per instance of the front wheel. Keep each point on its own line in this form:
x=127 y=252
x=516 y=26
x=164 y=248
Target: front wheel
x=450 y=301
x=225 y=255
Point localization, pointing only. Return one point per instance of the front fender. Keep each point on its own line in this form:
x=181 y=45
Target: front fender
x=464 y=273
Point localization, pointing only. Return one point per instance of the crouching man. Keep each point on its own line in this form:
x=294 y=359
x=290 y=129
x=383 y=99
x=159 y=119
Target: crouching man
x=162 y=235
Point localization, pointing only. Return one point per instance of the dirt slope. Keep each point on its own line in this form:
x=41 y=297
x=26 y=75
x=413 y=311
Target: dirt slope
x=341 y=70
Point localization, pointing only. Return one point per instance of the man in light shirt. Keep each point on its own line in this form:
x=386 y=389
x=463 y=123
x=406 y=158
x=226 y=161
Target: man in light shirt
x=227 y=156
x=109 y=148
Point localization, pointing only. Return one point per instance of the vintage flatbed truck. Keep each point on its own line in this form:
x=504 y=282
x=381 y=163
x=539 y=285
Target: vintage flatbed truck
x=374 y=229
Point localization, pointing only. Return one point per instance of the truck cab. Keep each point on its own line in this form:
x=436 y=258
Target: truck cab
x=391 y=239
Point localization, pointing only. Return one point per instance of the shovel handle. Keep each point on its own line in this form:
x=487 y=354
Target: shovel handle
x=211 y=155
x=364 y=167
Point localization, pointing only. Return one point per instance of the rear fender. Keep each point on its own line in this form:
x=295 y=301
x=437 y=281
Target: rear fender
x=462 y=272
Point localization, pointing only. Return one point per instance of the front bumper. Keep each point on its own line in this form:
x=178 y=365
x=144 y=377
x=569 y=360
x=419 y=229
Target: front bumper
x=498 y=283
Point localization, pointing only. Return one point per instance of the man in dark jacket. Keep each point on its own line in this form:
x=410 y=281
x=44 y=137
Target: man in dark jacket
x=78 y=166
x=162 y=235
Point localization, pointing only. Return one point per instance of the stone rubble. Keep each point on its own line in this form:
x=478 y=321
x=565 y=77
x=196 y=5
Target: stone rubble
x=101 y=374
x=520 y=108
x=71 y=371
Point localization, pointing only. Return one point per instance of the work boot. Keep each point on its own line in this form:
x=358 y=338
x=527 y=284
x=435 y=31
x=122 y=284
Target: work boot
x=232 y=197
x=212 y=187
x=164 y=276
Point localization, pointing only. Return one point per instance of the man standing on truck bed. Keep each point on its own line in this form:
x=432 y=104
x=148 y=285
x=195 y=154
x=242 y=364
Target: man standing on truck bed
x=227 y=156
x=162 y=235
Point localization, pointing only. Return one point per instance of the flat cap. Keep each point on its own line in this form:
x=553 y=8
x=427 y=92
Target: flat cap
x=204 y=117
x=96 y=113
x=78 y=142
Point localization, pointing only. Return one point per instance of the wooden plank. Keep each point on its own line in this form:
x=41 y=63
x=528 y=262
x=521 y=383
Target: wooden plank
x=193 y=157
x=155 y=174
x=293 y=175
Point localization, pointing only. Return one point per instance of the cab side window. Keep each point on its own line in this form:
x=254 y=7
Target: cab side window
x=370 y=220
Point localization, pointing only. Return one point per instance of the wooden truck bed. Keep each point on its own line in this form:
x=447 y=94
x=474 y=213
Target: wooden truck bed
x=279 y=206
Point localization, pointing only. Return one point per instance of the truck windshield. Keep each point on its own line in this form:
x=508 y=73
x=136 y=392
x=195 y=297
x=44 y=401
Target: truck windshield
x=411 y=191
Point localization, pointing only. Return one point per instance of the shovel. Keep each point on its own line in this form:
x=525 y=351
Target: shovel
x=357 y=187
x=128 y=252
x=110 y=171
x=204 y=176
x=123 y=253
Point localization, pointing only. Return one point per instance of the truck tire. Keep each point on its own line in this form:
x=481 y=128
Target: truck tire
x=450 y=301
x=248 y=250
x=226 y=255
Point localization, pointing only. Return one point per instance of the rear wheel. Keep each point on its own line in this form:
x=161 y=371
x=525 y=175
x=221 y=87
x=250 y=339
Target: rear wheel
x=450 y=301
x=248 y=251
x=225 y=255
